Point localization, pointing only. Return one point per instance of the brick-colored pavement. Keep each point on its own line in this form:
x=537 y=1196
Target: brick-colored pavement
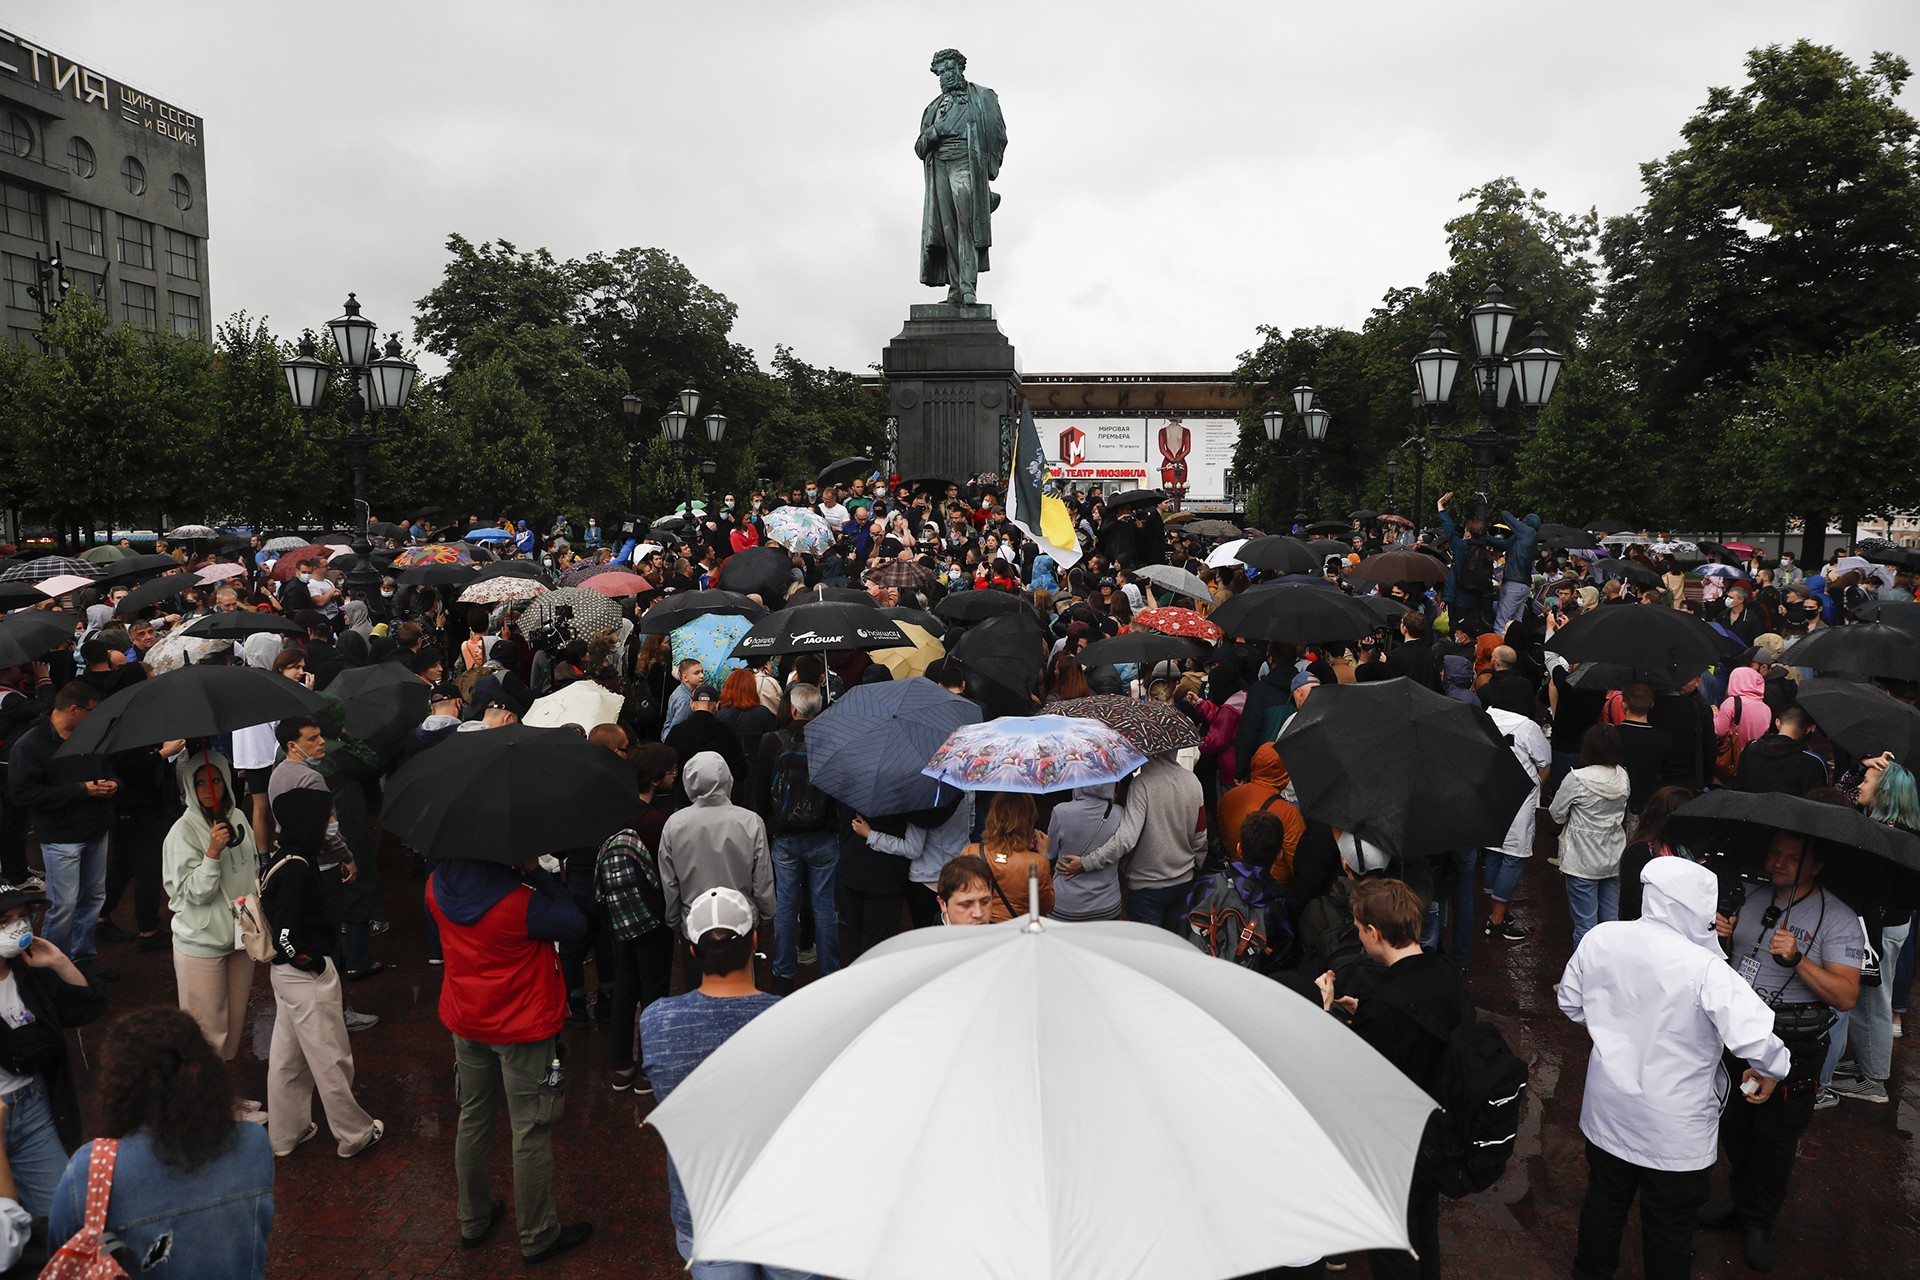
x=388 y=1215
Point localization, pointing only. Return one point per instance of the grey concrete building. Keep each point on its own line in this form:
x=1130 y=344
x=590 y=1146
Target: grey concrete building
x=109 y=178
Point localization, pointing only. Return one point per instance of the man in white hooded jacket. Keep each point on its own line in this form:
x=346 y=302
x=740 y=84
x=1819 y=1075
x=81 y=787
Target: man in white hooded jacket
x=1660 y=1003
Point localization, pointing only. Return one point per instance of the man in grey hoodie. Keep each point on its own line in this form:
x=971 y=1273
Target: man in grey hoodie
x=1163 y=828
x=714 y=843
x=1078 y=827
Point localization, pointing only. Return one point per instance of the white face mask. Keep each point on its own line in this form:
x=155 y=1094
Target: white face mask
x=386 y=595
x=306 y=577
x=15 y=938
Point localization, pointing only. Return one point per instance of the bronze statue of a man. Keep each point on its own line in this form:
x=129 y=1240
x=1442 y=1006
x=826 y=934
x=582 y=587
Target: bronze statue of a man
x=962 y=139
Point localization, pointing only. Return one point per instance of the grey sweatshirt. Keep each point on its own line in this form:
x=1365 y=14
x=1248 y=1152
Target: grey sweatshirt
x=1161 y=828
x=714 y=843
x=1077 y=828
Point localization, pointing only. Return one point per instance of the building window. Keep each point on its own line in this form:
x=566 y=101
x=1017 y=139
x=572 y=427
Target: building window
x=80 y=158
x=16 y=135
x=183 y=311
x=20 y=212
x=183 y=255
x=136 y=242
x=182 y=191
x=86 y=228
x=142 y=303
x=134 y=174
x=91 y=283
x=22 y=274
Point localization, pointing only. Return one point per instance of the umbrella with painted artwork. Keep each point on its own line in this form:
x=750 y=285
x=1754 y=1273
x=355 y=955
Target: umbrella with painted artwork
x=1034 y=754
x=711 y=638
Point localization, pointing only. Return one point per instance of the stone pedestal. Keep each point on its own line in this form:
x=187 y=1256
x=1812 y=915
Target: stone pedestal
x=954 y=382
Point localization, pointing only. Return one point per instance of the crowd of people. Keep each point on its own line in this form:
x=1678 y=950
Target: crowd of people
x=1724 y=1011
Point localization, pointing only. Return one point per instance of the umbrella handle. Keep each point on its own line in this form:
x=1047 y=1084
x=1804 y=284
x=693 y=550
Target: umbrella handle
x=1033 y=924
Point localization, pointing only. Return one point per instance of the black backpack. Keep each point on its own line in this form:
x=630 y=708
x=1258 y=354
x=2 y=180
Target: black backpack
x=1227 y=919
x=1475 y=577
x=1480 y=1086
x=799 y=804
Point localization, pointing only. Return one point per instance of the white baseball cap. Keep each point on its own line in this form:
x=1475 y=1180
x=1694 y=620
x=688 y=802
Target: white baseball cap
x=726 y=909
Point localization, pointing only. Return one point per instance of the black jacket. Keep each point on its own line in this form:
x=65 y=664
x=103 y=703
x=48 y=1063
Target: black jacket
x=703 y=731
x=1775 y=762
x=1414 y=660
x=295 y=903
x=40 y=1047
x=63 y=812
x=1414 y=1008
x=1644 y=752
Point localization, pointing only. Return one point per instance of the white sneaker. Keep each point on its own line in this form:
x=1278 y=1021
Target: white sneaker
x=1862 y=1089
x=36 y=883
x=358 y=1021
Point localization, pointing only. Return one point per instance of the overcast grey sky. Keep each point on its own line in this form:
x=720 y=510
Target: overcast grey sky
x=1175 y=174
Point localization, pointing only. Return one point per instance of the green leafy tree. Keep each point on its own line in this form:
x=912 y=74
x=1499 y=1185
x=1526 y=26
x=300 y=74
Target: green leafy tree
x=1787 y=225
x=1830 y=436
x=510 y=463
x=265 y=470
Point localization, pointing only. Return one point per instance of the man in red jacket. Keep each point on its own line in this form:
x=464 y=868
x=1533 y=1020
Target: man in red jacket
x=504 y=999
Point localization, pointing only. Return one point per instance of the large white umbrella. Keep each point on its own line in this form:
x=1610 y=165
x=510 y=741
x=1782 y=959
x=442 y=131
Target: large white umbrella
x=1226 y=554
x=582 y=702
x=1105 y=1095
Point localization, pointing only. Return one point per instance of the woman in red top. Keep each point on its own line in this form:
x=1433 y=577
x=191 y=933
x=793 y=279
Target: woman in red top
x=744 y=535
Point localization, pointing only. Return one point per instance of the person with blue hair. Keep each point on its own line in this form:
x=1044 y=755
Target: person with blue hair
x=1888 y=795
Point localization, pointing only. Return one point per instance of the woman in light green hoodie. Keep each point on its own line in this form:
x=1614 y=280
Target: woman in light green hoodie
x=208 y=861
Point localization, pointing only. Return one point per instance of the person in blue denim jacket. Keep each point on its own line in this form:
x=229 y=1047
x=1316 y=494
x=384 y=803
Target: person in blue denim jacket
x=192 y=1186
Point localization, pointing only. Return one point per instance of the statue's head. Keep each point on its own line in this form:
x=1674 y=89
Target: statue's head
x=951 y=66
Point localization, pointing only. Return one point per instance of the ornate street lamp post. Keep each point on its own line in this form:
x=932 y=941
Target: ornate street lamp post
x=382 y=386
x=673 y=429
x=1535 y=369
x=1314 y=422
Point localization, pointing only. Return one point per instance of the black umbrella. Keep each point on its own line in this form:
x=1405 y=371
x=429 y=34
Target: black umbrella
x=1607 y=527
x=1862 y=719
x=193 y=702
x=1211 y=529
x=1362 y=515
x=238 y=626
x=1388 y=610
x=1403 y=767
x=1143 y=647
x=1866 y=863
x=867 y=749
x=1327 y=528
x=1324 y=547
x=1654 y=643
x=1904 y=614
x=671 y=612
x=382 y=717
x=508 y=795
x=1567 y=538
x=429 y=510
x=30 y=633
x=919 y=618
x=825 y=627
x=1294 y=613
x=844 y=470
x=516 y=569
x=1632 y=570
x=437 y=575
x=978 y=606
x=136 y=568
x=1003 y=658
x=13 y=594
x=156 y=592
x=1278 y=554
x=1134 y=498
x=385 y=529
x=825 y=594
x=766 y=572
x=1876 y=650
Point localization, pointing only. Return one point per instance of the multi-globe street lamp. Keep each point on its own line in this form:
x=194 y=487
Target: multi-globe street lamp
x=1495 y=375
x=382 y=385
x=1314 y=421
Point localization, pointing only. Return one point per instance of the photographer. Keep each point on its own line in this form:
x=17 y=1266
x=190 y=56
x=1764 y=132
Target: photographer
x=1801 y=949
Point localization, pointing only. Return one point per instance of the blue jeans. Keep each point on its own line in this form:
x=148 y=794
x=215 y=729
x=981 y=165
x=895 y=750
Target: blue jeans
x=1503 y=873
x=816 y=855
x=34 y=1149
x=1163 y=906
x=76 y=890
x=1870 y=1023
x=1903 y=970
x=1461 y=864
x=734 y=1270
x=1592 y=902
x=1513 y=599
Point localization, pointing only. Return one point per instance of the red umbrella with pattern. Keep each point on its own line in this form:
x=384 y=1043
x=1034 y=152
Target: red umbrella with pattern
x=1174 y=621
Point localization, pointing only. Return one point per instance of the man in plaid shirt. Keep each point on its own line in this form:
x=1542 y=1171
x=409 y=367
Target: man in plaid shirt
x=626 y=884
